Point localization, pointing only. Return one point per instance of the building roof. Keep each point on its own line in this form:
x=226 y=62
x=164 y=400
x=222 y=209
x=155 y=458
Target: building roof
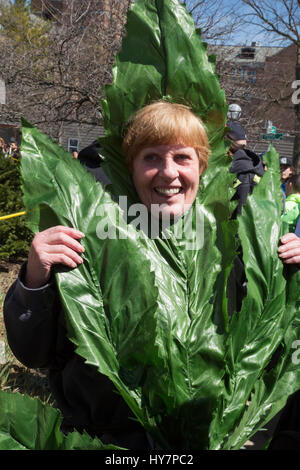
x=254 y=54
x=284 y=147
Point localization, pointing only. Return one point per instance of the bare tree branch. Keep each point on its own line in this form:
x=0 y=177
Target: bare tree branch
x=59 y=74
x=281 y=17
x=215 y=18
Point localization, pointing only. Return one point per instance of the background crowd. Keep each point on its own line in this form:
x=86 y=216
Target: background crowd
x=250 y=167
x=9 y=149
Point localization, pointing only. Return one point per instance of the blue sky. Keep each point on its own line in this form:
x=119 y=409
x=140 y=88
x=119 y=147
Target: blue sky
x=248 y=33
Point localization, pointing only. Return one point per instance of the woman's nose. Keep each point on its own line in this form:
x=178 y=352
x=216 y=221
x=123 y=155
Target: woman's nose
x=169 y=169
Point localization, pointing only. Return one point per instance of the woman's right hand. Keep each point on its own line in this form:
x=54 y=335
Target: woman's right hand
x=289 y=250
x=56 y=245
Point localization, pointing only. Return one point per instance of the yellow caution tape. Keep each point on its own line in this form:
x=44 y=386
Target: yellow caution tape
x=256 y=179
x=12 y=215
x=13 y=158
x=237 y=182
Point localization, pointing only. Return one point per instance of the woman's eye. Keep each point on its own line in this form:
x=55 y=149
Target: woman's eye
x=182 y=156
x=150 y=157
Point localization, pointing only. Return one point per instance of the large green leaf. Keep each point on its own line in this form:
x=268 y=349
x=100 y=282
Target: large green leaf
x=266 y=324
x=151 y=314
x=28 y=424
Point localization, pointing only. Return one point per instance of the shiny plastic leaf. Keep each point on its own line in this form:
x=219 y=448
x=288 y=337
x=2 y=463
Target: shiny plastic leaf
x=28 y=424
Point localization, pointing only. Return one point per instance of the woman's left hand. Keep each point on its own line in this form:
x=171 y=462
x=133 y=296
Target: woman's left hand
x=289 y=250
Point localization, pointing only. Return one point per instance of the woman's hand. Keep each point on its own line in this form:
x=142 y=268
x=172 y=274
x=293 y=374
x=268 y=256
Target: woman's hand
x=289 y=250
x=56 y=245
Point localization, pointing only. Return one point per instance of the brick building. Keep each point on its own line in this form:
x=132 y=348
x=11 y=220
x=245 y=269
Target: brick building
x=279 y=74
x=276 y=80
x=259 y=79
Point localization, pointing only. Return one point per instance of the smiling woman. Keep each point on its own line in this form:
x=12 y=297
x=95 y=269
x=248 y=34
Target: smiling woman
x=167 y=150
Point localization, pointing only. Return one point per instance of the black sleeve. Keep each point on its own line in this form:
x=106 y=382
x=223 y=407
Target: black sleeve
x=30 y=317
x=297 y=231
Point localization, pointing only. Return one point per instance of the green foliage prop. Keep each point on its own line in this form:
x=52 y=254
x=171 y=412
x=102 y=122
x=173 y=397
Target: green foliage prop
x=27 y=424
x=156 y=316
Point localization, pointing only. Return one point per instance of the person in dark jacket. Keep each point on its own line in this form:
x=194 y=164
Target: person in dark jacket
x=90 y=158
x=247 y=165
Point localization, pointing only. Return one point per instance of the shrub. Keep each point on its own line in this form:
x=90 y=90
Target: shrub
x=15 y=237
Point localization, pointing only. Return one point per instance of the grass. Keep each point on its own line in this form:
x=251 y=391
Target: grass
x=15 y=378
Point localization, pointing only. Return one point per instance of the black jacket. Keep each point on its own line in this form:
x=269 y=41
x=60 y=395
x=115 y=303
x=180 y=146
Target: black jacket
x=246 y=164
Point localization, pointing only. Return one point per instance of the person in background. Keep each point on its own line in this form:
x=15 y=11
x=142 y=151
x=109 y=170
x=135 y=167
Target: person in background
x=2 y=145
x=75 y=154
x=286 y=170
x=13 y=149
x=6 y=150
x=292 y=202
x=90 y=158
x=247 y=165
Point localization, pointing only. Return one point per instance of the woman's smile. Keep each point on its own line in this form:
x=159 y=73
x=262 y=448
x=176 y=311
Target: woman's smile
x=168 y=191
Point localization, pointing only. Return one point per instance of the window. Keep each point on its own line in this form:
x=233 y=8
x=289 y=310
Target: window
x=73 y=145
x=234 y=72
x=252 y=76
x=244 y=73
x=247 y=53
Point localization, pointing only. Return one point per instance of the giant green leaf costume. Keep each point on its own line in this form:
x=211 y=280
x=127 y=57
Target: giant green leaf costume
x=155 y=314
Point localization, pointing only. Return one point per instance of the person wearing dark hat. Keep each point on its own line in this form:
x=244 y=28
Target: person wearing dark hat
x=90 y=158
x=13 y=149
x=247 y=165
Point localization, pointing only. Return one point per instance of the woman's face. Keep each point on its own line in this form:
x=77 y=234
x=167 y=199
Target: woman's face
x=286 y=171
x=168 y=176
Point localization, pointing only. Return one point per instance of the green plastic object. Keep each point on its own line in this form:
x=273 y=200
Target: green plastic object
x=28 y=424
